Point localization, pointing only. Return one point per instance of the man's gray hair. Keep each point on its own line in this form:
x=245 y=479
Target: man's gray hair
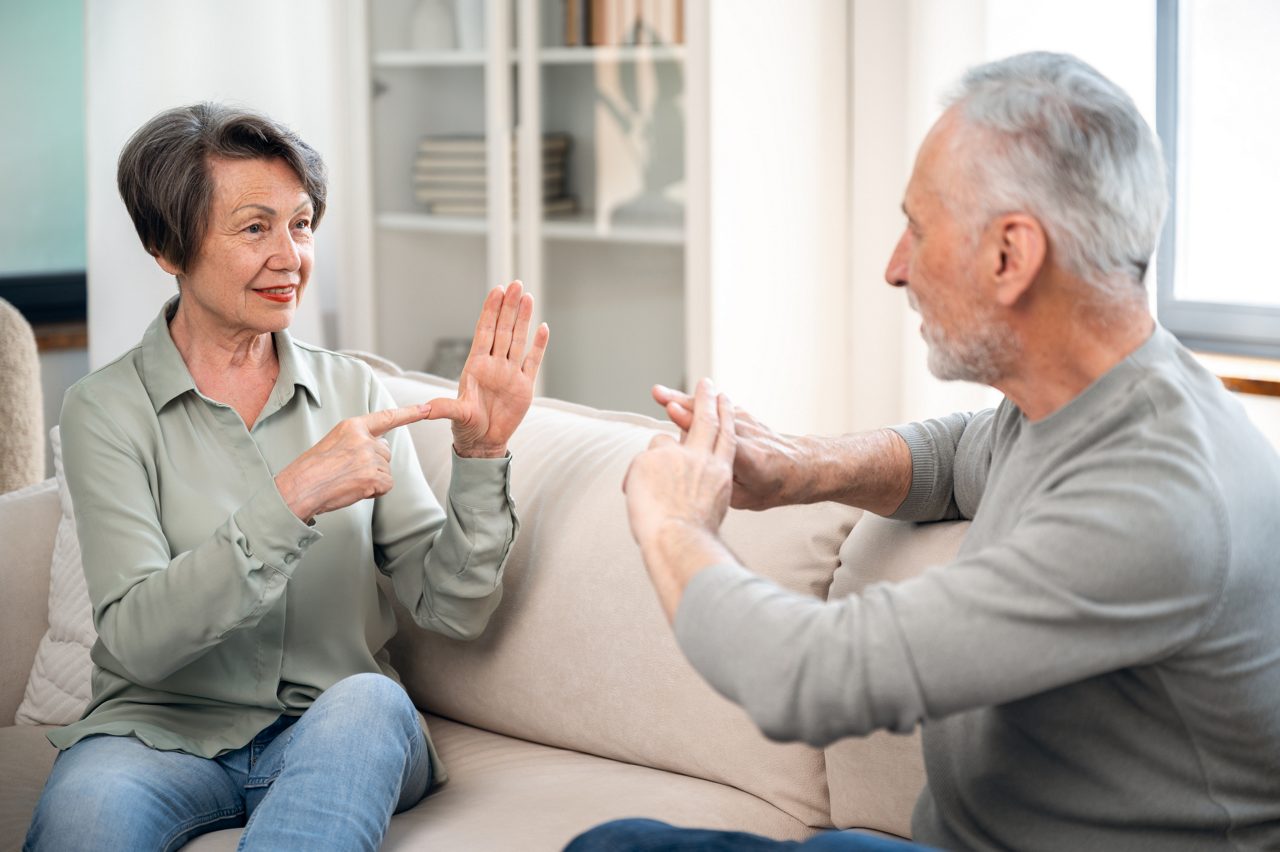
x=1061 y=142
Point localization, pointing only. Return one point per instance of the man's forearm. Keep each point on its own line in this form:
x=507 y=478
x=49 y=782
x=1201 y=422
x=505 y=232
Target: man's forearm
x=869 y=470
x=675 y=553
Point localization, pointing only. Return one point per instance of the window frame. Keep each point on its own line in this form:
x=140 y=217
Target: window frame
x=1209 y=326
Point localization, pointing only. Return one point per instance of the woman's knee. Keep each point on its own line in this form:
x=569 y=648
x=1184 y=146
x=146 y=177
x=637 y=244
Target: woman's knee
x=372 y=691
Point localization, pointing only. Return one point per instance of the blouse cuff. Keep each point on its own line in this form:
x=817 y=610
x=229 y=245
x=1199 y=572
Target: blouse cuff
x=481 y=483
x=271 y=532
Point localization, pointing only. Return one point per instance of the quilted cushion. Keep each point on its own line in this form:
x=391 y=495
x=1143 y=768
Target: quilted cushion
x=59 y=687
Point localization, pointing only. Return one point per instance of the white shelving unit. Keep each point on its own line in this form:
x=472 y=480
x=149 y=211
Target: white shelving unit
x=711 y=184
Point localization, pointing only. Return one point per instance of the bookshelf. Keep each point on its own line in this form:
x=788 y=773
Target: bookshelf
x=690 y=252
x=616 y=261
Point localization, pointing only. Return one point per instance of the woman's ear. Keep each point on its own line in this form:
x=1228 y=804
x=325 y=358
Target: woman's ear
x=1022 y=245
x=166 y=265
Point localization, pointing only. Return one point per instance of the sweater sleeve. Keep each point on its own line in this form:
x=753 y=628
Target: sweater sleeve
x=1107 y=574
x=445 y=563
x=156 y=611
x=950 y=457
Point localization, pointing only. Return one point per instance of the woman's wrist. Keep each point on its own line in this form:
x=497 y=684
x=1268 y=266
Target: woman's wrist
x=480 y=451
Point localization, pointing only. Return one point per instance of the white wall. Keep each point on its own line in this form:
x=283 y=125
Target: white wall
x=284 y=58
x=777 y=219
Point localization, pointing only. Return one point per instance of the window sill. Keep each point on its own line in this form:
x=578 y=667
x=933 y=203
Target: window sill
x=1258 y=376
x=61 y=336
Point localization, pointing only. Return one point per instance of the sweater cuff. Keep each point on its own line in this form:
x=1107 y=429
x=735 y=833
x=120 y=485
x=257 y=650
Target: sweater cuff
x=271 y=533
x=924 y=471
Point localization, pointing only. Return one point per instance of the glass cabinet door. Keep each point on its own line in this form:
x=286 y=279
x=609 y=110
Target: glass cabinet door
x=429 y=146
x=612 y=234
x=585 y=99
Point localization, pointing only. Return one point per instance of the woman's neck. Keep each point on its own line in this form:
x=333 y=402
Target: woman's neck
x=205 y=346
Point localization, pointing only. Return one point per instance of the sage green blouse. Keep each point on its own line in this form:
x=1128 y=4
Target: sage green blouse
x=217 y=610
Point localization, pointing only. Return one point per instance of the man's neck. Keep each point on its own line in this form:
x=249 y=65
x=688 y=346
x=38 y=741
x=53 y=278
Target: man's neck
x=1068 y=347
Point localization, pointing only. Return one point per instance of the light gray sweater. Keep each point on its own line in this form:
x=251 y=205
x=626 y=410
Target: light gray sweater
x=1099 y=667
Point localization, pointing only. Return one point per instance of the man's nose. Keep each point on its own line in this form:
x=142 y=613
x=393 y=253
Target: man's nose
x=896 y=272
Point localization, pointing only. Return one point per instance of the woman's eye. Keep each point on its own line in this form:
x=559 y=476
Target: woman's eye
x=255 y=228
x=303 y=223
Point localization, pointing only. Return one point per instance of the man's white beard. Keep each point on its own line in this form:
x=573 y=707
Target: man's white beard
x=983 y=355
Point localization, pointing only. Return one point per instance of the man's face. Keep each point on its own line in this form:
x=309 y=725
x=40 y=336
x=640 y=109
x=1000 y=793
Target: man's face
x=937 y=261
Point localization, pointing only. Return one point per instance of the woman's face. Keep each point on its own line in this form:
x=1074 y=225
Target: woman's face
x=255 y=261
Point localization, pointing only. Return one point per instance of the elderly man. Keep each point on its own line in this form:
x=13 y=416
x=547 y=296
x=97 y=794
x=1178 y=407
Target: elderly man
x=1099 y=667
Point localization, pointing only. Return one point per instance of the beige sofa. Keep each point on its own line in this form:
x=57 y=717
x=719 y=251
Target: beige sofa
x=575 y=706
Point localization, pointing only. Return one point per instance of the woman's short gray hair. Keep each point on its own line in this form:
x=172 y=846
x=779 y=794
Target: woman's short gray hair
x=164 y=179
x=1056 y=139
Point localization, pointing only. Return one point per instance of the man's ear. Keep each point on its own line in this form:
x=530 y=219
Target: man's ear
x=1018 y=251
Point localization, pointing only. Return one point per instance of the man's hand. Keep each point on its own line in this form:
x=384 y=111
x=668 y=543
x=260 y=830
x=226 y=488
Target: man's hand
x=869 y=470
x=496 y=387
x=768 y=468
x=678 y=494
x=349 y=464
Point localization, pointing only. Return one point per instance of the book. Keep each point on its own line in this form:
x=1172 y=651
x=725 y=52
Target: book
x=429 y=193
x=553 y=207
x=450 y=178
x=472 y=145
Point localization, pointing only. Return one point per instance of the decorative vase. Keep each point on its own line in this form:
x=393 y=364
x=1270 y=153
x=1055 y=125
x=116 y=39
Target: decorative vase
x=469 y=18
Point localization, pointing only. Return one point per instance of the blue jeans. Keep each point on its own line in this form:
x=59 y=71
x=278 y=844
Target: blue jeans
x=328 y=779
x=647 y=835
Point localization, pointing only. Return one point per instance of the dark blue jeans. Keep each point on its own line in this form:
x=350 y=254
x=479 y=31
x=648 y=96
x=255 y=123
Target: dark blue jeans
x=648 y=835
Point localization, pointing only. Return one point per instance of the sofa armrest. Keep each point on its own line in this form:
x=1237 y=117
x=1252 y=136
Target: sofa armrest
x=28 y=524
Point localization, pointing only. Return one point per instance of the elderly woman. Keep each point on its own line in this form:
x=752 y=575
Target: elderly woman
x=237 y=493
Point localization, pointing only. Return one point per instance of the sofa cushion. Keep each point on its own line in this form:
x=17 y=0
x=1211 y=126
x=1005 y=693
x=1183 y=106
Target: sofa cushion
x=28 y=524
x=60 y=684
x=580 y=655
x=25 y=760
x=505 y=793
x=875 y=781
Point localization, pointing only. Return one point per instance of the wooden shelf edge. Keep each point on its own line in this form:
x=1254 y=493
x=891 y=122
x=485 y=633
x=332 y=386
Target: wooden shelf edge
x=62 y=336
x=1257 y=376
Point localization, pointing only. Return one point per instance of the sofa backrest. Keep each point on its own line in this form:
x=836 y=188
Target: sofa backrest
x=875 y=781
x=580 y=655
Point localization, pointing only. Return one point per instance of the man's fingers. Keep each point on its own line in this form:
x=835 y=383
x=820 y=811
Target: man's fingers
x=661 y=440
x=727 y=439
x=681 y=416
x=664 y=396
x=380 y=423
x=533 y=361
x=482 y=342
x=705 y=425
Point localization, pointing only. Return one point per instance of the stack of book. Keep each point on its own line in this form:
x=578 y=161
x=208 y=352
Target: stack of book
x=450 y=175
x=596 y=23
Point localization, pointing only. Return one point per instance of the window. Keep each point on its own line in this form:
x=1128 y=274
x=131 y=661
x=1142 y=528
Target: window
x=1219 y=119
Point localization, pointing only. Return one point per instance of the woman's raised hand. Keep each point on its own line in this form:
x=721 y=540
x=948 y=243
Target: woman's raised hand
x=496 y=387
x=349 y=464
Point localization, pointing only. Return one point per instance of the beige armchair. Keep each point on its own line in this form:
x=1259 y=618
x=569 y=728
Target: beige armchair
x=21 y=409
